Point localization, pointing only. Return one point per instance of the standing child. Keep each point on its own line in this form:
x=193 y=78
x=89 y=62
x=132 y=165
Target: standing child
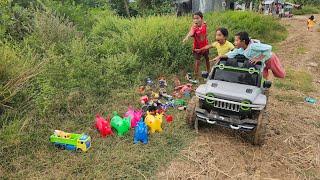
x=256 y=52
x=222 y=45
x=199 y=33
x=310 y=23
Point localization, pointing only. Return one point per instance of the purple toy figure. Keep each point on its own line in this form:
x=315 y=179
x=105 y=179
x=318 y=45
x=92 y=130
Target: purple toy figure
x=134 y=115
x=141 y=133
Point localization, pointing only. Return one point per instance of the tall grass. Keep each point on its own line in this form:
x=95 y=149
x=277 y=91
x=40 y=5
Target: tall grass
x=97 y=71
x=307 y=9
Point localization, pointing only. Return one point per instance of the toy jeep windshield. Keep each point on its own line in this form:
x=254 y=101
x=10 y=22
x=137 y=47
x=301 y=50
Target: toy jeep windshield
x=234 y=96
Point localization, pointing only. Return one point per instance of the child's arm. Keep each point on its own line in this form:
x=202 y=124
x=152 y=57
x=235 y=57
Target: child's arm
x=204 y=48
x=190 y=34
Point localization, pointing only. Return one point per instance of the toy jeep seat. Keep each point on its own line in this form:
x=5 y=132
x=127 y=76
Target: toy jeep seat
x=240 y=61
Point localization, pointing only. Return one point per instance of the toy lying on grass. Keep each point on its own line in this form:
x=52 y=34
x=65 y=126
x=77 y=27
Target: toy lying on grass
x=141 y=133
x=154 y=122
x=121 y=125
x=134 y=115
x=103 y=126
x=75 y=142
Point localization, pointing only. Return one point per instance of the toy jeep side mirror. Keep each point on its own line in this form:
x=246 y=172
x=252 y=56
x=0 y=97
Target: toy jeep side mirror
x=204 y=74
x=267 y=84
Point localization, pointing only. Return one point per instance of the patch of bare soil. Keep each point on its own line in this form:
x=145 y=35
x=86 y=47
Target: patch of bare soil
x=292 y=148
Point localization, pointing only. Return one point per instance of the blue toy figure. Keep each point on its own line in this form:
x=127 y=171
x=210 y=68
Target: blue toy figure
x=141 y=133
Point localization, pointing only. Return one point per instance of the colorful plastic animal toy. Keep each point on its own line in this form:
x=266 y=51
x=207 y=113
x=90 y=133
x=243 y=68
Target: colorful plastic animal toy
x=154 y=122
x=121 y=125
x=103 y=126
x=189 y=78
x=141 y=89
x=162 y=82
x=140 y=133
x=180 y=102
x=184 y=88
x=144 y=99
x=134 y=115
x=149 y=82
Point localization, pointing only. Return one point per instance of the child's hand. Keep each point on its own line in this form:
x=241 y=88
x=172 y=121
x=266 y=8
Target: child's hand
x=197 y=50
x=255 y=60
x=216 y=59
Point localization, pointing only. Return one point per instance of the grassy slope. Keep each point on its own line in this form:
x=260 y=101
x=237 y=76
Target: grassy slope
x=68 y=99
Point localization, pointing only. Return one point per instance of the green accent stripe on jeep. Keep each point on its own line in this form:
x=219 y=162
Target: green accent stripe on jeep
x=239 y=69
x=209 y=101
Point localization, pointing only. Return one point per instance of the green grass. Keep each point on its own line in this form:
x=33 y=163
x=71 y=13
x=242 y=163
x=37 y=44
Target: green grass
x=115 y=157
x=307 y=9
x=299 y=80
x=97 y=71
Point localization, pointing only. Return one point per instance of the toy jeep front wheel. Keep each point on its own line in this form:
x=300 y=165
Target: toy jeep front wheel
x=191 y=111
x=260 y=131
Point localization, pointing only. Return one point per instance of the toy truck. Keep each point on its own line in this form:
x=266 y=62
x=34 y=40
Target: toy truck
x=234 y=96
x=71 y=141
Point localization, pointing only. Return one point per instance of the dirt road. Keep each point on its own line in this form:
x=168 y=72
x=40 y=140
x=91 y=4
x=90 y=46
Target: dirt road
x=292 y=149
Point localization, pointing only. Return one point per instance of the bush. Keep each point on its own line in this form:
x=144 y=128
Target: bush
x=157 y=39
x=307 y=9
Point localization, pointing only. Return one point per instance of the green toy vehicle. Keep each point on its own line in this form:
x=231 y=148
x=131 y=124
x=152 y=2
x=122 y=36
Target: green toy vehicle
x=70 y=141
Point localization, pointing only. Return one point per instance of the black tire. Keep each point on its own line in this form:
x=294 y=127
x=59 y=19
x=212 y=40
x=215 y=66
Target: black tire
x=191 y=113
x=78 y=150
x=62 y=147
x=259 y=133
x=57 y=146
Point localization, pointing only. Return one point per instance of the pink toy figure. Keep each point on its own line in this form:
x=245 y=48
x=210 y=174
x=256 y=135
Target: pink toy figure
x=103 y=126
x=144 y=99
x=134 y=115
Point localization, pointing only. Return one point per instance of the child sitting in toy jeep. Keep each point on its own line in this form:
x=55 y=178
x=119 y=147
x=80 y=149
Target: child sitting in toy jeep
x=256 y=52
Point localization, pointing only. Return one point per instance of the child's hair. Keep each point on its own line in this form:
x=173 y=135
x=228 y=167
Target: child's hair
x=312 y=17
x=199 y=13
x=244 y=36
x=223 y=31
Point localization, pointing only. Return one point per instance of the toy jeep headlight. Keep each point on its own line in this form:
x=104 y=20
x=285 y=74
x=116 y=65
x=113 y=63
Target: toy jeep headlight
x=210 y=95
x=244 y=107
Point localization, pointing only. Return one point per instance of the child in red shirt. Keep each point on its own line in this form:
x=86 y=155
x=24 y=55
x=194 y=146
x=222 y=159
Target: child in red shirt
x=199 y=33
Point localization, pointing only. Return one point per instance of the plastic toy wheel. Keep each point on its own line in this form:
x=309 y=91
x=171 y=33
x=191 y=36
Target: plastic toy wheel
x=78 y=150
x=260 y=131
x=191 y=112
x=57 y=146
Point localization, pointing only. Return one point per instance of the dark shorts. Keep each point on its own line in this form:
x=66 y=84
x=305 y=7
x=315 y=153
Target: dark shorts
x=198 y=56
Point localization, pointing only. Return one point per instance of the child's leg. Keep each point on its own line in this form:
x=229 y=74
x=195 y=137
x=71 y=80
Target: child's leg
x=197 y=57
x=274 y=64
x=196 y=68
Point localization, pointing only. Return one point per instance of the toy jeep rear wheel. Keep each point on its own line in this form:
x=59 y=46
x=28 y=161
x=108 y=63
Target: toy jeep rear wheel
x=191 y=111
x=260 y=131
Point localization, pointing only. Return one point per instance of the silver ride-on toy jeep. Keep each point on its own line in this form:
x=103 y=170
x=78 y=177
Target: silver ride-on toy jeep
x=234 y=96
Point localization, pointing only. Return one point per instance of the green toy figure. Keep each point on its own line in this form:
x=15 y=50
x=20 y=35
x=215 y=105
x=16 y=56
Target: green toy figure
x=121 y=125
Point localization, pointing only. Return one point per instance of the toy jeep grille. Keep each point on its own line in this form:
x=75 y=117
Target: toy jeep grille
x=226 y=106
